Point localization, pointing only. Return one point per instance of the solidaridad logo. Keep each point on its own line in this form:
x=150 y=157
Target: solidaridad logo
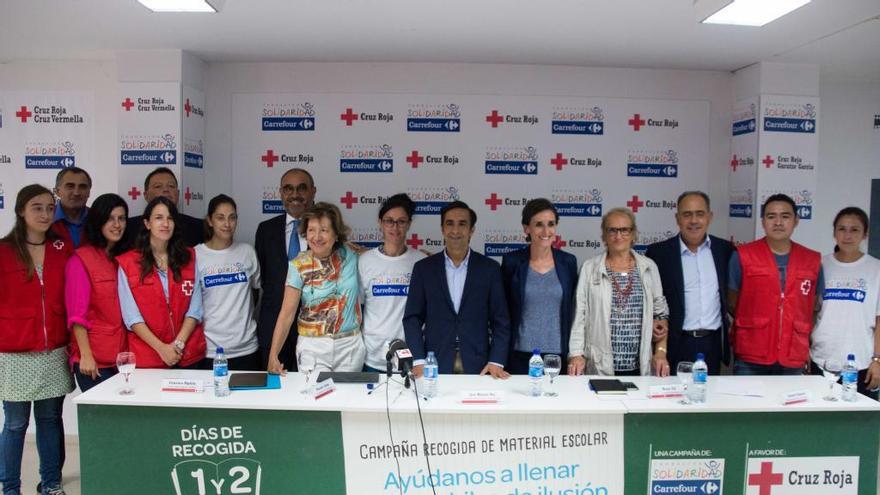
x=741 y=202
x=430 y=200
x=433 y=118
x=367 y=237
x=288 y=117
x=790 y=118
x=650 y=237
x=271 y=203
x=656 y=164
x=513 y=161
x=577 y=203
x=356 y=158
x=193 y=153
x=47 y=156
x=744 y=121
x=584 y=121
x=497 y=243
x=148 y=150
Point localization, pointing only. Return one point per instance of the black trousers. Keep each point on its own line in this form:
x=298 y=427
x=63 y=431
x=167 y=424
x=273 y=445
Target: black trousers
x=688 y=347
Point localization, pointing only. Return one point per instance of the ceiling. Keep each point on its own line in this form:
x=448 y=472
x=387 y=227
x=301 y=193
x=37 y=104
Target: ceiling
x=842 y=36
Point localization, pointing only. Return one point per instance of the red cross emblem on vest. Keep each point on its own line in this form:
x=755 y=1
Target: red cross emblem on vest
x=805 y=287
x=187 y=287
x=59 y=244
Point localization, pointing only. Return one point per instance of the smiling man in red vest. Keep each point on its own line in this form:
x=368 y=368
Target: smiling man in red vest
x=772 y=292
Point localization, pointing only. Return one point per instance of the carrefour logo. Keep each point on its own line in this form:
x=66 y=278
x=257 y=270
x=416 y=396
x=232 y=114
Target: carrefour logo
x=660 y=164
x=844 y=295
x=497 y=243
x=744 y=127
x=225 y=279
x=573 y=203
x=43 y=156
x=790 y=118
x=429 y=201
x=148 y=150
x=271 y=204
x=517 y=161
x=367 y=159
x=433 y=118
x=741 y=210
x=288 y=117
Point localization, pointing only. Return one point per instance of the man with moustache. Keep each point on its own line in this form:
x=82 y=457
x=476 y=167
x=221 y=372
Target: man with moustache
x=772 y=293
x=456 y=305
x=73 y=186
x=163 y=182
x=277 y=242
x=693 y=269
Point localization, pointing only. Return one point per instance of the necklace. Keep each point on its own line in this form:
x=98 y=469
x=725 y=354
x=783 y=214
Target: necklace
x=620 y=296
x=35 y=243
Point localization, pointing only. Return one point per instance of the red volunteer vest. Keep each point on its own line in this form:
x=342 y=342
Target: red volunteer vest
x=773 y=325
x=163 y=317
x=32 y=315
x=107 y=337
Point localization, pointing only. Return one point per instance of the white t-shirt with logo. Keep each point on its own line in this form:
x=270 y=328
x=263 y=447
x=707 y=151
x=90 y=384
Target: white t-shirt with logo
x=850 y=305
x=227 y=279
x=384 y=287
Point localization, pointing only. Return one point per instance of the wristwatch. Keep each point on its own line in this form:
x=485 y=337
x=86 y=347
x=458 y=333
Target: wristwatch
x=178 y=345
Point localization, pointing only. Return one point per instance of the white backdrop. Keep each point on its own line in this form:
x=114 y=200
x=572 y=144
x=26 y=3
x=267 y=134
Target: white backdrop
x=493 y=152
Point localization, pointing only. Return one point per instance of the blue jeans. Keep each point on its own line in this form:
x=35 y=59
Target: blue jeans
x=50 y=441
x=744 y=368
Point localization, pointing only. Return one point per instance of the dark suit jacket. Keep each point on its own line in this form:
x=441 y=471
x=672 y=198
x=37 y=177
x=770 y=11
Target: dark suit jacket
x=515 y=269
x=192 y=229
x=271 y=247
x=481 y=324
x=667 y=255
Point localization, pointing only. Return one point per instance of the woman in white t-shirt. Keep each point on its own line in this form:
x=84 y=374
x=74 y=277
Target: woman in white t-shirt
x=228 y=276
x=850 y=316
x=384 y=275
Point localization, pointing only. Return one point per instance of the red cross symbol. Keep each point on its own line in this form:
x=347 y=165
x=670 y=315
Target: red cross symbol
x=187 y=195
x=134 y=193
x=187 y=107
x=635 y=204
x=559 y=161
x=558 y=243
x=127 y=104
x=270 y=158
x=415 y=159
x=636 y=122
x=493 y=202
x=23 y=114
x=348 y=200
x=765 y=479
x=767 y=161
x=734 y=163
x=187 y=287
x=414 y=241
x=494 y=118
x=348 y=116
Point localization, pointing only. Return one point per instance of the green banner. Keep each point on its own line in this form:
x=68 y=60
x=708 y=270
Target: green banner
x=189 y=451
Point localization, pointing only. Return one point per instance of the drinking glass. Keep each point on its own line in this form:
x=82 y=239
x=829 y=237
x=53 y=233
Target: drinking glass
x=306 y=363
x=552 y=366
x=831 y=370
x=684 y=371
x=126 y=364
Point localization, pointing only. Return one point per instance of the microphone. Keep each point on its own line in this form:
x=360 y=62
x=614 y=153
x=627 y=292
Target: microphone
x=399 y=356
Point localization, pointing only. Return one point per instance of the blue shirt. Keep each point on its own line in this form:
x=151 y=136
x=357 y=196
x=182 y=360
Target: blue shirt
x=131 y=315
x=73 y=227
x=455 y=278
x=702 y=304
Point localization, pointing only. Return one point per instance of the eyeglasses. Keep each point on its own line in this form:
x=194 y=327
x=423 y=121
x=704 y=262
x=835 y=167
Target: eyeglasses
x=390 y=222
x=623 y=231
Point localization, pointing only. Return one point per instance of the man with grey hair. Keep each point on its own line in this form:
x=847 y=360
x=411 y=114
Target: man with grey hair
x=693 y=268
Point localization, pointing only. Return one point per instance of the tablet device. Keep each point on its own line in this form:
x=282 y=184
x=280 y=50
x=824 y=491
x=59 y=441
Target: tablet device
x=349 y=376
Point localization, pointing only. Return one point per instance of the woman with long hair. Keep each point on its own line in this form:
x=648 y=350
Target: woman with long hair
x=228 y=276
x=91 y=295
x=33 y=340
x=160 y=302
x=849 y=321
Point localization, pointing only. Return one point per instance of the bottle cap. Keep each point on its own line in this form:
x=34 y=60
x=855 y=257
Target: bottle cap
x=219 y=350
x=430 y=353
x=536 y=352
x=700 y=356
x=850 y=357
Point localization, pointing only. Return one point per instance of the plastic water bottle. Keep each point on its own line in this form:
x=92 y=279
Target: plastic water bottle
x=536 y=374
x=700 y=376
x=221 y=374
x=850 y=377
x=431 y=374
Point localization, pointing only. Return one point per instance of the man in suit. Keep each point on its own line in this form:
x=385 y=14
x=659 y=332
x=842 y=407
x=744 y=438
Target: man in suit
x=456 y=304
x=693 y=270
x=163 y=182
x=277 y=242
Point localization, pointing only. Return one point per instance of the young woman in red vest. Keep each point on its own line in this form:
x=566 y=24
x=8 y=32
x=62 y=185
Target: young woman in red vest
x=160 y=302
x=91 y=294
x=33 y=340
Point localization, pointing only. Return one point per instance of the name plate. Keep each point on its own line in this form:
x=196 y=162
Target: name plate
x=183 y=385
x=481 y=397
x=795 y=397
x=323 y=389
x=668 y=390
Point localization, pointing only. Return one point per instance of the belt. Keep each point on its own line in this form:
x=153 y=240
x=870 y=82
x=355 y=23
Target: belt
x=698 y=334
x=335 y=336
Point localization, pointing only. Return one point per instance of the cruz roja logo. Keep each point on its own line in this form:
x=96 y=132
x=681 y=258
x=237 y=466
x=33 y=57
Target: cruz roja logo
x=494 y=119
x=637 y=122
x=288 y=117
x=350 y=117
x=50 y=114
